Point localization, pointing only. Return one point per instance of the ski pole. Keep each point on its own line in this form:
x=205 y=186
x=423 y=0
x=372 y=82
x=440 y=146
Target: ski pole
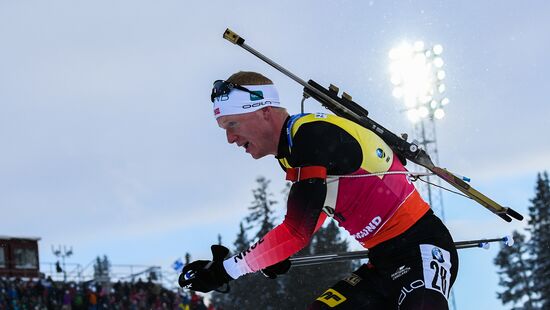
x=327 y=258
x=310 y=260
x=483 y=243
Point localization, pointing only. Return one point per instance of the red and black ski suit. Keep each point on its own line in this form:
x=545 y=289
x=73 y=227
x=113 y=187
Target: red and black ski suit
x=345 y=171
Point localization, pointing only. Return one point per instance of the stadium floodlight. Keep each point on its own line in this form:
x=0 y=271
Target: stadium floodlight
x=63 y=254
x=437 y=49
x=439 y=113
x=417 y=78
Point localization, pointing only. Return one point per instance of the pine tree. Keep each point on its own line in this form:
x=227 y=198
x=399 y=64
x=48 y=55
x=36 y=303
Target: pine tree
x=261 y=292
x=261 y=212
x=525 y=267
x=242 y=241
x=515 y=273
x=539 y=222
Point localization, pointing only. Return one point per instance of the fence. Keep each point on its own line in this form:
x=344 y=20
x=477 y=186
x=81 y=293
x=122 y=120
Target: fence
x=74 y=272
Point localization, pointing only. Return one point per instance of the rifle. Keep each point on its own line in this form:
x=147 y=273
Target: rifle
x=345 y=107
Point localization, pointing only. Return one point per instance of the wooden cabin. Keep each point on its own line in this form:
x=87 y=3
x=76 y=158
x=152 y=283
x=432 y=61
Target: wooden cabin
x=19 y=257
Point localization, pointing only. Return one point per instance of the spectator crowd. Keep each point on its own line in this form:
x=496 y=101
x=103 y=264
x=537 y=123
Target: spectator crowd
x=41 y=294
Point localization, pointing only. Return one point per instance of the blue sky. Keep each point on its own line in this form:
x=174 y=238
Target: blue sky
x=109 y=145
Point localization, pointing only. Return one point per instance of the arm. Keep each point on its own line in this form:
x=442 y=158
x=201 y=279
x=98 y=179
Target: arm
x=303 y=218
x=316 y=144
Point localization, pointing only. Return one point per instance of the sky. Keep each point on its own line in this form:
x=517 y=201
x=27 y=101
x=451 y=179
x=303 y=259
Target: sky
x=108 y=143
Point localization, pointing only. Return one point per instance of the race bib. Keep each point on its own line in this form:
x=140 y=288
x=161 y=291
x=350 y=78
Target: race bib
x=436 y=263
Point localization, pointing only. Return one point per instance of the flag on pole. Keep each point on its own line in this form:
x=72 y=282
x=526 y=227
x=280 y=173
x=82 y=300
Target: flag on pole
x=177 y=265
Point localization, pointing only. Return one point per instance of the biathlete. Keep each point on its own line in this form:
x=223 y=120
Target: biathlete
x=340 y=170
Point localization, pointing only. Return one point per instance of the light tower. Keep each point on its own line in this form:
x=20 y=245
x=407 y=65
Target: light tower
x=63 y=253
x=417 y=76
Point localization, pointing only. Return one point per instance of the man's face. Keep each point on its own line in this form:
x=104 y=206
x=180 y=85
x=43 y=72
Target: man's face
x=251 y=131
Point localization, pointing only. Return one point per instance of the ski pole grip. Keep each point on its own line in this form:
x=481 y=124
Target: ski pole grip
x=232 y=37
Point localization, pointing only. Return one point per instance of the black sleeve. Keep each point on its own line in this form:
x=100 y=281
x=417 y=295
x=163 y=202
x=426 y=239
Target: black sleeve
x=318 y=144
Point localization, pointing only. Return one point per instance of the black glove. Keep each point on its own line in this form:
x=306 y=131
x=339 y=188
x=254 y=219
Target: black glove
x=277 y=269
x=204 y=275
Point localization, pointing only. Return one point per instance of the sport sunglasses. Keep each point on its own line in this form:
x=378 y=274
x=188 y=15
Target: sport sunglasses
x=222 y=87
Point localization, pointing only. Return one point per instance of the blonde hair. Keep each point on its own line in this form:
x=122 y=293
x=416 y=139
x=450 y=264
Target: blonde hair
x=249 y=78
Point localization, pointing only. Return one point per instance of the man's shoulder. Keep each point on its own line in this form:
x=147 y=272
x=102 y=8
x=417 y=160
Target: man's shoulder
x=316 y=120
